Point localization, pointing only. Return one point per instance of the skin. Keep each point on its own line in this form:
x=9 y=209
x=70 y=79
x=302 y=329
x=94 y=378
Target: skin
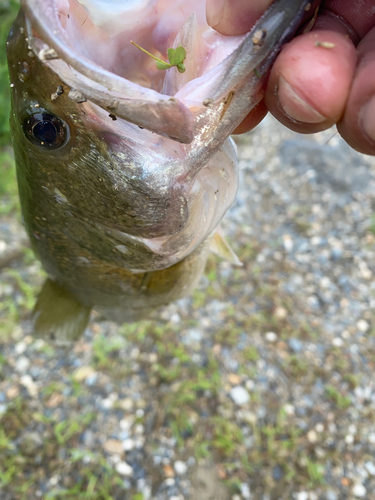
x=312 y=88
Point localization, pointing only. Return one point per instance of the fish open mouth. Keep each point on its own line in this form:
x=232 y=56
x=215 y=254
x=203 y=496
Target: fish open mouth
x=88 y=44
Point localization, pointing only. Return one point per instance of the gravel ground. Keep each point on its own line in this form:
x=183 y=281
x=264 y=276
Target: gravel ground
x=259 y=387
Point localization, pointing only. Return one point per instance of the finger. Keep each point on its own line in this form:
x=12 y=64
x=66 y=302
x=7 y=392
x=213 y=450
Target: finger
x=310 y=81
x=253 y=119
x=358 y=123
x=234 y=17
x=309 y=85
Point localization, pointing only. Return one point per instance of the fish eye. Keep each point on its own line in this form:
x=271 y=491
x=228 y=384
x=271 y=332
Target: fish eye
x=46 y=130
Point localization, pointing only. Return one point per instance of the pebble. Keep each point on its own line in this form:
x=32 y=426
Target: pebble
x=331 y=495
x=370 y=466
x=245 y=491
x=359 y=491
x=124 y=469
x=337 y=342
x=180 y=467
x=239 y=395
x=312 y=436
x=296 y=345
x=114 y=446
x=271 y=336
x=22 y=364
x=30 y=385
x=302 y=495
x=363 y=326
x=128 y=444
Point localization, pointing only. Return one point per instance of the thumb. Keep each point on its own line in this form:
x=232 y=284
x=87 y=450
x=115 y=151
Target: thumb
x=234 y=17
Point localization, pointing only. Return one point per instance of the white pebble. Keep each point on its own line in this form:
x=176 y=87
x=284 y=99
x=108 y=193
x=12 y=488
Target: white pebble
x=271 y=336
x=245 y=491
x=30 y=385
x=352 y=429
x=239 y=395
x=312 y=436
x=363 y=326
x=349 y=439
x=302 y=495
x=319 y=427
x=359 y=491
x=20 y=348
x=370 y=466
x=289 y=409
x=180 y=467
x=22 y=364
x=371 y=438
x=124 y=469
x=337 y=342
x=128 y=444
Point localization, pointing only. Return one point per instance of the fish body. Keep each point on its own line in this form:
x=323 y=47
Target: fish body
x=124 y=171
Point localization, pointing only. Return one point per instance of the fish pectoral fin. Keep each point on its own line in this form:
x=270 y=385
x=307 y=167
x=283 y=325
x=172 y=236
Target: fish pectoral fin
x=221 y=247
x=58 y=316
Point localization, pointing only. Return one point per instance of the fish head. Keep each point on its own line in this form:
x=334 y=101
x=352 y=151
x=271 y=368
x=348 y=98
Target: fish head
x=126 y=161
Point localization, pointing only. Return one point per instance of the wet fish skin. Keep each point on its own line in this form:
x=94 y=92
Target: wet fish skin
x=120 y=239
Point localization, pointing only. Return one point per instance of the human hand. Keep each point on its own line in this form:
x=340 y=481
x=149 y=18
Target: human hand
x=313 y=87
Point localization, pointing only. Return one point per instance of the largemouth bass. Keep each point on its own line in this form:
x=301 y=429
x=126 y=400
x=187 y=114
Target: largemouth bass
x=126 y=171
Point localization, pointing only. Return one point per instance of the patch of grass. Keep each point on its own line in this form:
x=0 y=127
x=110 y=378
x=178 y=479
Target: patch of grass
x=8 y=11
x=342 y=402
x=105 y=350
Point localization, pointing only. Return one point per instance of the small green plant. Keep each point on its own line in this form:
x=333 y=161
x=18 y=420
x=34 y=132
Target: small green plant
x=342 y=402
x=176 y=58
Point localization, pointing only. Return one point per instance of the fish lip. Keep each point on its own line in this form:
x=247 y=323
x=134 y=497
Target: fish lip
x=162 y=114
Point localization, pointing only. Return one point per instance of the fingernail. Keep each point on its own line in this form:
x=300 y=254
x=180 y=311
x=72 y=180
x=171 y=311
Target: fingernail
x=214 y=12
x=296 y=107
x=367 y=119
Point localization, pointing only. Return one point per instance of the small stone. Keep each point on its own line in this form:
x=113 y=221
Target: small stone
x=281 y=313
x=359 y=491
x=128 y=444
x=126 y=404
x=180 y=467
x=337 y=342
x=302 y=495
x=289 y=409
x=239 y=395
x=82 y=373
x=363 y=326
x=352 y=429
x=114 y=446
x=288 y=243
x=370 y=467
x=20 y=348
x=331 y=495
x=22 y=364
x=54 y=400
x=371 y=438
x=12 y=392
x=124 y=469
x=169 y=481
x=319 y=427
x=312 y=436
x=245 y=491
x=168 y=471
x=296 y=345
x=271 y=336
x=234 y=379
x=30 y=385
x=139 y=429
x=349 y=439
